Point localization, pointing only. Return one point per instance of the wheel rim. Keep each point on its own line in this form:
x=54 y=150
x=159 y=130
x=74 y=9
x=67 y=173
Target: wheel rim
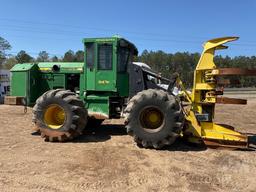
x=151 y=119
x=54 y=116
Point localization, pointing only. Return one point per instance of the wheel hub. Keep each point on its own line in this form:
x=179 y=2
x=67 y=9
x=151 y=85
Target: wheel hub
x=54 y=116
x=151 y=119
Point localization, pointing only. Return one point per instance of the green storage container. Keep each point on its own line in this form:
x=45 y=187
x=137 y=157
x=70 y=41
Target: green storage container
x=24 y=82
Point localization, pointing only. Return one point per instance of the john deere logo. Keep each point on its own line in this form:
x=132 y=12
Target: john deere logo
x=103 y=82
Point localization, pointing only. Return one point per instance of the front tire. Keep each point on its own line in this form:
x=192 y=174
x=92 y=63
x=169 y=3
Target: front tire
x=154 y=118
x=60 y=115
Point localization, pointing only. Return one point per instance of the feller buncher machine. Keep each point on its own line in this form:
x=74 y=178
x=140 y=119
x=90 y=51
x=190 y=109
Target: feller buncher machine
x=66 y=97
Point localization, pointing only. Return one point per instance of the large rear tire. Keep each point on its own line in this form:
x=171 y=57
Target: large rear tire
x=154 y=118
x=60 y=115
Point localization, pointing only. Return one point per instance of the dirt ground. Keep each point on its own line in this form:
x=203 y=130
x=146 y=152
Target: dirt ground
x=106 y=159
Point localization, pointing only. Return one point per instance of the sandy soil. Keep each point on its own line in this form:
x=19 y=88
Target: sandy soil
x=106 y=159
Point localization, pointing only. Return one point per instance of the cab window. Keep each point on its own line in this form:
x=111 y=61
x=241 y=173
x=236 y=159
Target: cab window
x=123 y=59
x=90 y=55
x=105 y=56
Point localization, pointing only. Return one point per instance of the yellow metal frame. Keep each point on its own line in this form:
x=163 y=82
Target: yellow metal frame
x=203 y=97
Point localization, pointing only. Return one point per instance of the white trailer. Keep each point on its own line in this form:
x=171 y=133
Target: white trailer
x=4 y=84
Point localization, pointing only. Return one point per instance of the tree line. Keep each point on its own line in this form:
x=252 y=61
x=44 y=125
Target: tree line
x=7 y=61
x=165 y=63
x=185 y=63
x=24 y=57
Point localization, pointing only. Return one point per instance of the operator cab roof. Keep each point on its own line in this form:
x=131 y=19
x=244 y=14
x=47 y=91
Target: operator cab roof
x=112 y=39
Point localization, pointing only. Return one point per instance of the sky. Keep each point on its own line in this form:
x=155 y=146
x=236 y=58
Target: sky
x=169 y=25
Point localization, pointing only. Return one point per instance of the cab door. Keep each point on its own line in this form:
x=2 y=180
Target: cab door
x=106 y=67
x=100 y=66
